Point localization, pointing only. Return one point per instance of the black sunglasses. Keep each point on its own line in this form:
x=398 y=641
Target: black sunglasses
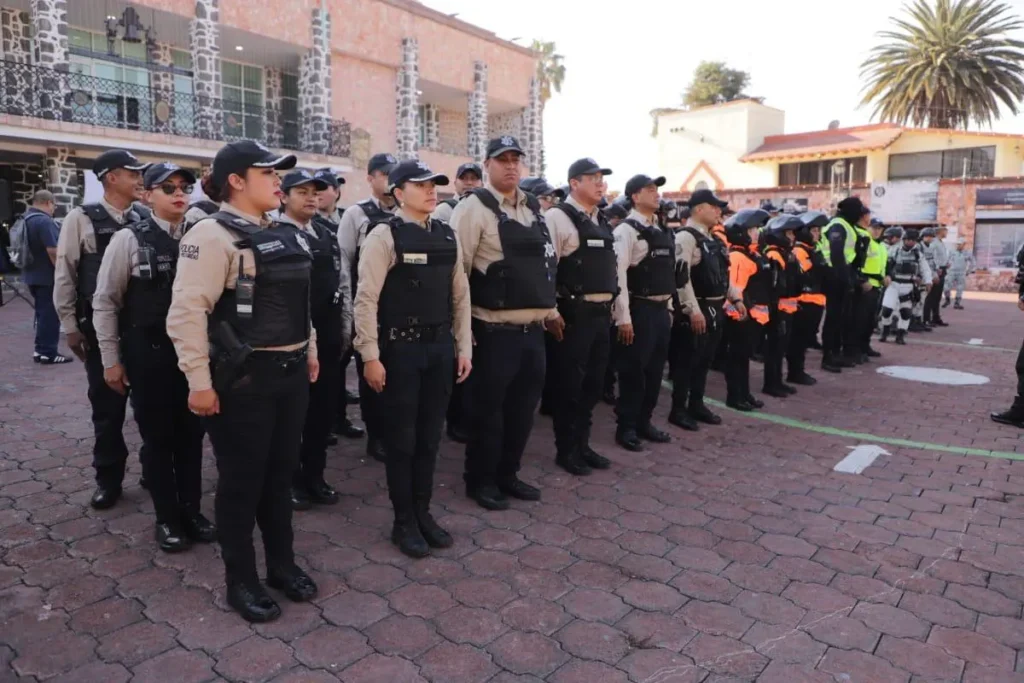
x=171 y=188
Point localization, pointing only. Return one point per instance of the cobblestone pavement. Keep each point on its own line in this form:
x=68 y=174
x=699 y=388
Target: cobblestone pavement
x=735 y=554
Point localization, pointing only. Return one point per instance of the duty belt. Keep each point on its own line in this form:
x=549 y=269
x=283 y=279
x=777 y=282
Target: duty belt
x=508 y=327
x=422 y=333
x=284 y=361
x=603 y=305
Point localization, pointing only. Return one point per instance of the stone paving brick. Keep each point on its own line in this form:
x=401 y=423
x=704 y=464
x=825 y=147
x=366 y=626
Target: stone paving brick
x=449 y=663
x=175 y=666
x=840 y=631
x=983 y=600
x=784 y=644
x=535 y=614
x=973 y=647
x=654 y=665
x=527 y=653
x=725 y=656
x=768 y=608
x=377 y=668
x=850 y=665
x=715 y=618
x=919 y=658
x=593 y=641
x=891 y=620
x=331 y=648
x=136 y=643
x=648 y=630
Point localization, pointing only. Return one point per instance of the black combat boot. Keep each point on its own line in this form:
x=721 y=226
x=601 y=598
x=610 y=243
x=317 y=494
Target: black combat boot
x=1013 y=417
x=901 y=337
x=407 y=536
x=885 y=334
x=433 y=534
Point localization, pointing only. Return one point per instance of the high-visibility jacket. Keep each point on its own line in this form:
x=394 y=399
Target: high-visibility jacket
x=849 y=244
x=874 y=263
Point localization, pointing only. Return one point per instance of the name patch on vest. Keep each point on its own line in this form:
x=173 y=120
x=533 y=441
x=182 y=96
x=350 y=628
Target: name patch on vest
x=415 y=259
x=660 y=252
x=189 y=251
x=595 y=243
x=270 y=247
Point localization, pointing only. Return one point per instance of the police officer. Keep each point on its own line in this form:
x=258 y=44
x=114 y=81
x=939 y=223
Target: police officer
x=84 y=236
x=702 y=301
x=201 y=208
x=907 y=268
x=961 y=264
x=547 y=195
x=1015 y=415
x=132 y=297
x=873 y=283
x=811 y=280
x=587 y=282
x=351 y=233
x=412 y=295
x=844 y=251
x=777 y=239
x=616 y=212
x=510 y=260
x=751 y=275
x=647 y=264
x=892 y=236
x=242 y=288
x=331 y=313
x=328 y=213
x=469 y=176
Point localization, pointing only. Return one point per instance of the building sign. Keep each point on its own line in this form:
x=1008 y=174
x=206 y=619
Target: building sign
x=1012 y=196
x=793 y=204
x=905 y=201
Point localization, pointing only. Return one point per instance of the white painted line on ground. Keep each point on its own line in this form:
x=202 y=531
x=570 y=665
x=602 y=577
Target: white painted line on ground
x=975 y=341
x=860 y=458
x=932 y=375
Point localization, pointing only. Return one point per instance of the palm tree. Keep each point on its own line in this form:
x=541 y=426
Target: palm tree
x=550 y=75
x=948 y=65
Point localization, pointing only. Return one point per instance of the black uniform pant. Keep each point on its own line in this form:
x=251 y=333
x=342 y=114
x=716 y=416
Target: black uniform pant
x=502 y=396
x=806 y=321
x=1018 y=401
x=369 y=405
x=341 y=402
x=324 y=395
x=419 y=383
x=779 y=326
x=456 y=415
x=743 y=334
x=642 y=363
x=256 y=439
x=934 y=299
x=172 y=435
x=547 y=395
x=109 y=452
x=696 y=352
x=837 y=315
x=867 y=315
x=613 y=360
x=576 y=370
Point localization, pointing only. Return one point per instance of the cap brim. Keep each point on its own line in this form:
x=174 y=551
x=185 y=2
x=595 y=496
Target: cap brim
x=438 y=178
x=558 y=192
x=164 y=176
x=317 y=184
x=659 y=181
x=278 y=163
x=501 y=150
x=474 y=171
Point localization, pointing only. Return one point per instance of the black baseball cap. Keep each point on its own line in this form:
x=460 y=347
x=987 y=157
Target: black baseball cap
x=237 y=157
x=587 y=167
x=539 y=187
x=383 y=162
x=301 y=176
x=328 y=176
x=705 y=197
x=158 y=173
x=639 y=182
x=116 y=158
x=414 y=171
x=506 y=143
x=470 y=168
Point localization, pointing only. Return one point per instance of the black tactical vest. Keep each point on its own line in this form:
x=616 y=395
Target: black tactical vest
x=786 y=281
x=418 y=289
x=906 y=264
x=376 y=215
x=451 y=201
x=591 y=269
x=758 y=291
x=812 y=281
x=325 y=281
x=656 y=274
x=326 y=223
x=710 y=277
x=206 y=206
x=104 y=226
x=525 y=276
x=149 y=293
x=280 y=309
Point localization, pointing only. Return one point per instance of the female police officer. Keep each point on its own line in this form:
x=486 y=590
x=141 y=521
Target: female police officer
x=242 y=287
x=412 y=295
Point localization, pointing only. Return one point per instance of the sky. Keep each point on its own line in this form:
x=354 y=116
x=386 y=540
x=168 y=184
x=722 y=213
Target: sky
x=803 y=57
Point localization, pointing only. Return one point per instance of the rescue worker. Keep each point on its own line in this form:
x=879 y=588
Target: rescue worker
x=133 y=293
x=750 y=274
x=240 y=323
x=873 y=283
x=939 y=261
x=907 y=268
x=844 y=250
x=586 y=284
x=412 y=295
x=468 y=177
x=1015 y=415
x=351 y=233
x=807 y=319
x=647 y=263
x=961 y=264
x=701 y=301
x=84 y=236
x=778 y=238
x=510 y=260
x=330 y=305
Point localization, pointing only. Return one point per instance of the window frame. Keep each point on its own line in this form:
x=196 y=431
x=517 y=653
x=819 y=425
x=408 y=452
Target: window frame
x=819 y=171
x=252 y=116
x=947 y=158
x=989 y=226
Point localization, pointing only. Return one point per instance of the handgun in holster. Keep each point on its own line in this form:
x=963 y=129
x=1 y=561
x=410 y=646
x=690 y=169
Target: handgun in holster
x=231 y=356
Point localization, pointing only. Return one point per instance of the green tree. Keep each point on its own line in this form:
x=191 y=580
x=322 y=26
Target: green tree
x=949 y=64
x=550 y=75
x=714 y=83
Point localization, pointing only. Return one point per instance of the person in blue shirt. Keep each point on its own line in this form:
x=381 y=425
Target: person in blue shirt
x=42 y=233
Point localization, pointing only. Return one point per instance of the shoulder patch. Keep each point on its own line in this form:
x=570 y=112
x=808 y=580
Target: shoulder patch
x=189 y=251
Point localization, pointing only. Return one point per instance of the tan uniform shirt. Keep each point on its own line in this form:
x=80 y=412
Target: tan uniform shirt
x=567 y=238
x=345 y=283
x=477 y=228
x=207 y=265
x=376 y=259
x=333 y=216
x=352 y=230
x=687 y=251
x=120 y=263
x=443 y=212
x=194 y=215
x=76 y=238
x=630 y=250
